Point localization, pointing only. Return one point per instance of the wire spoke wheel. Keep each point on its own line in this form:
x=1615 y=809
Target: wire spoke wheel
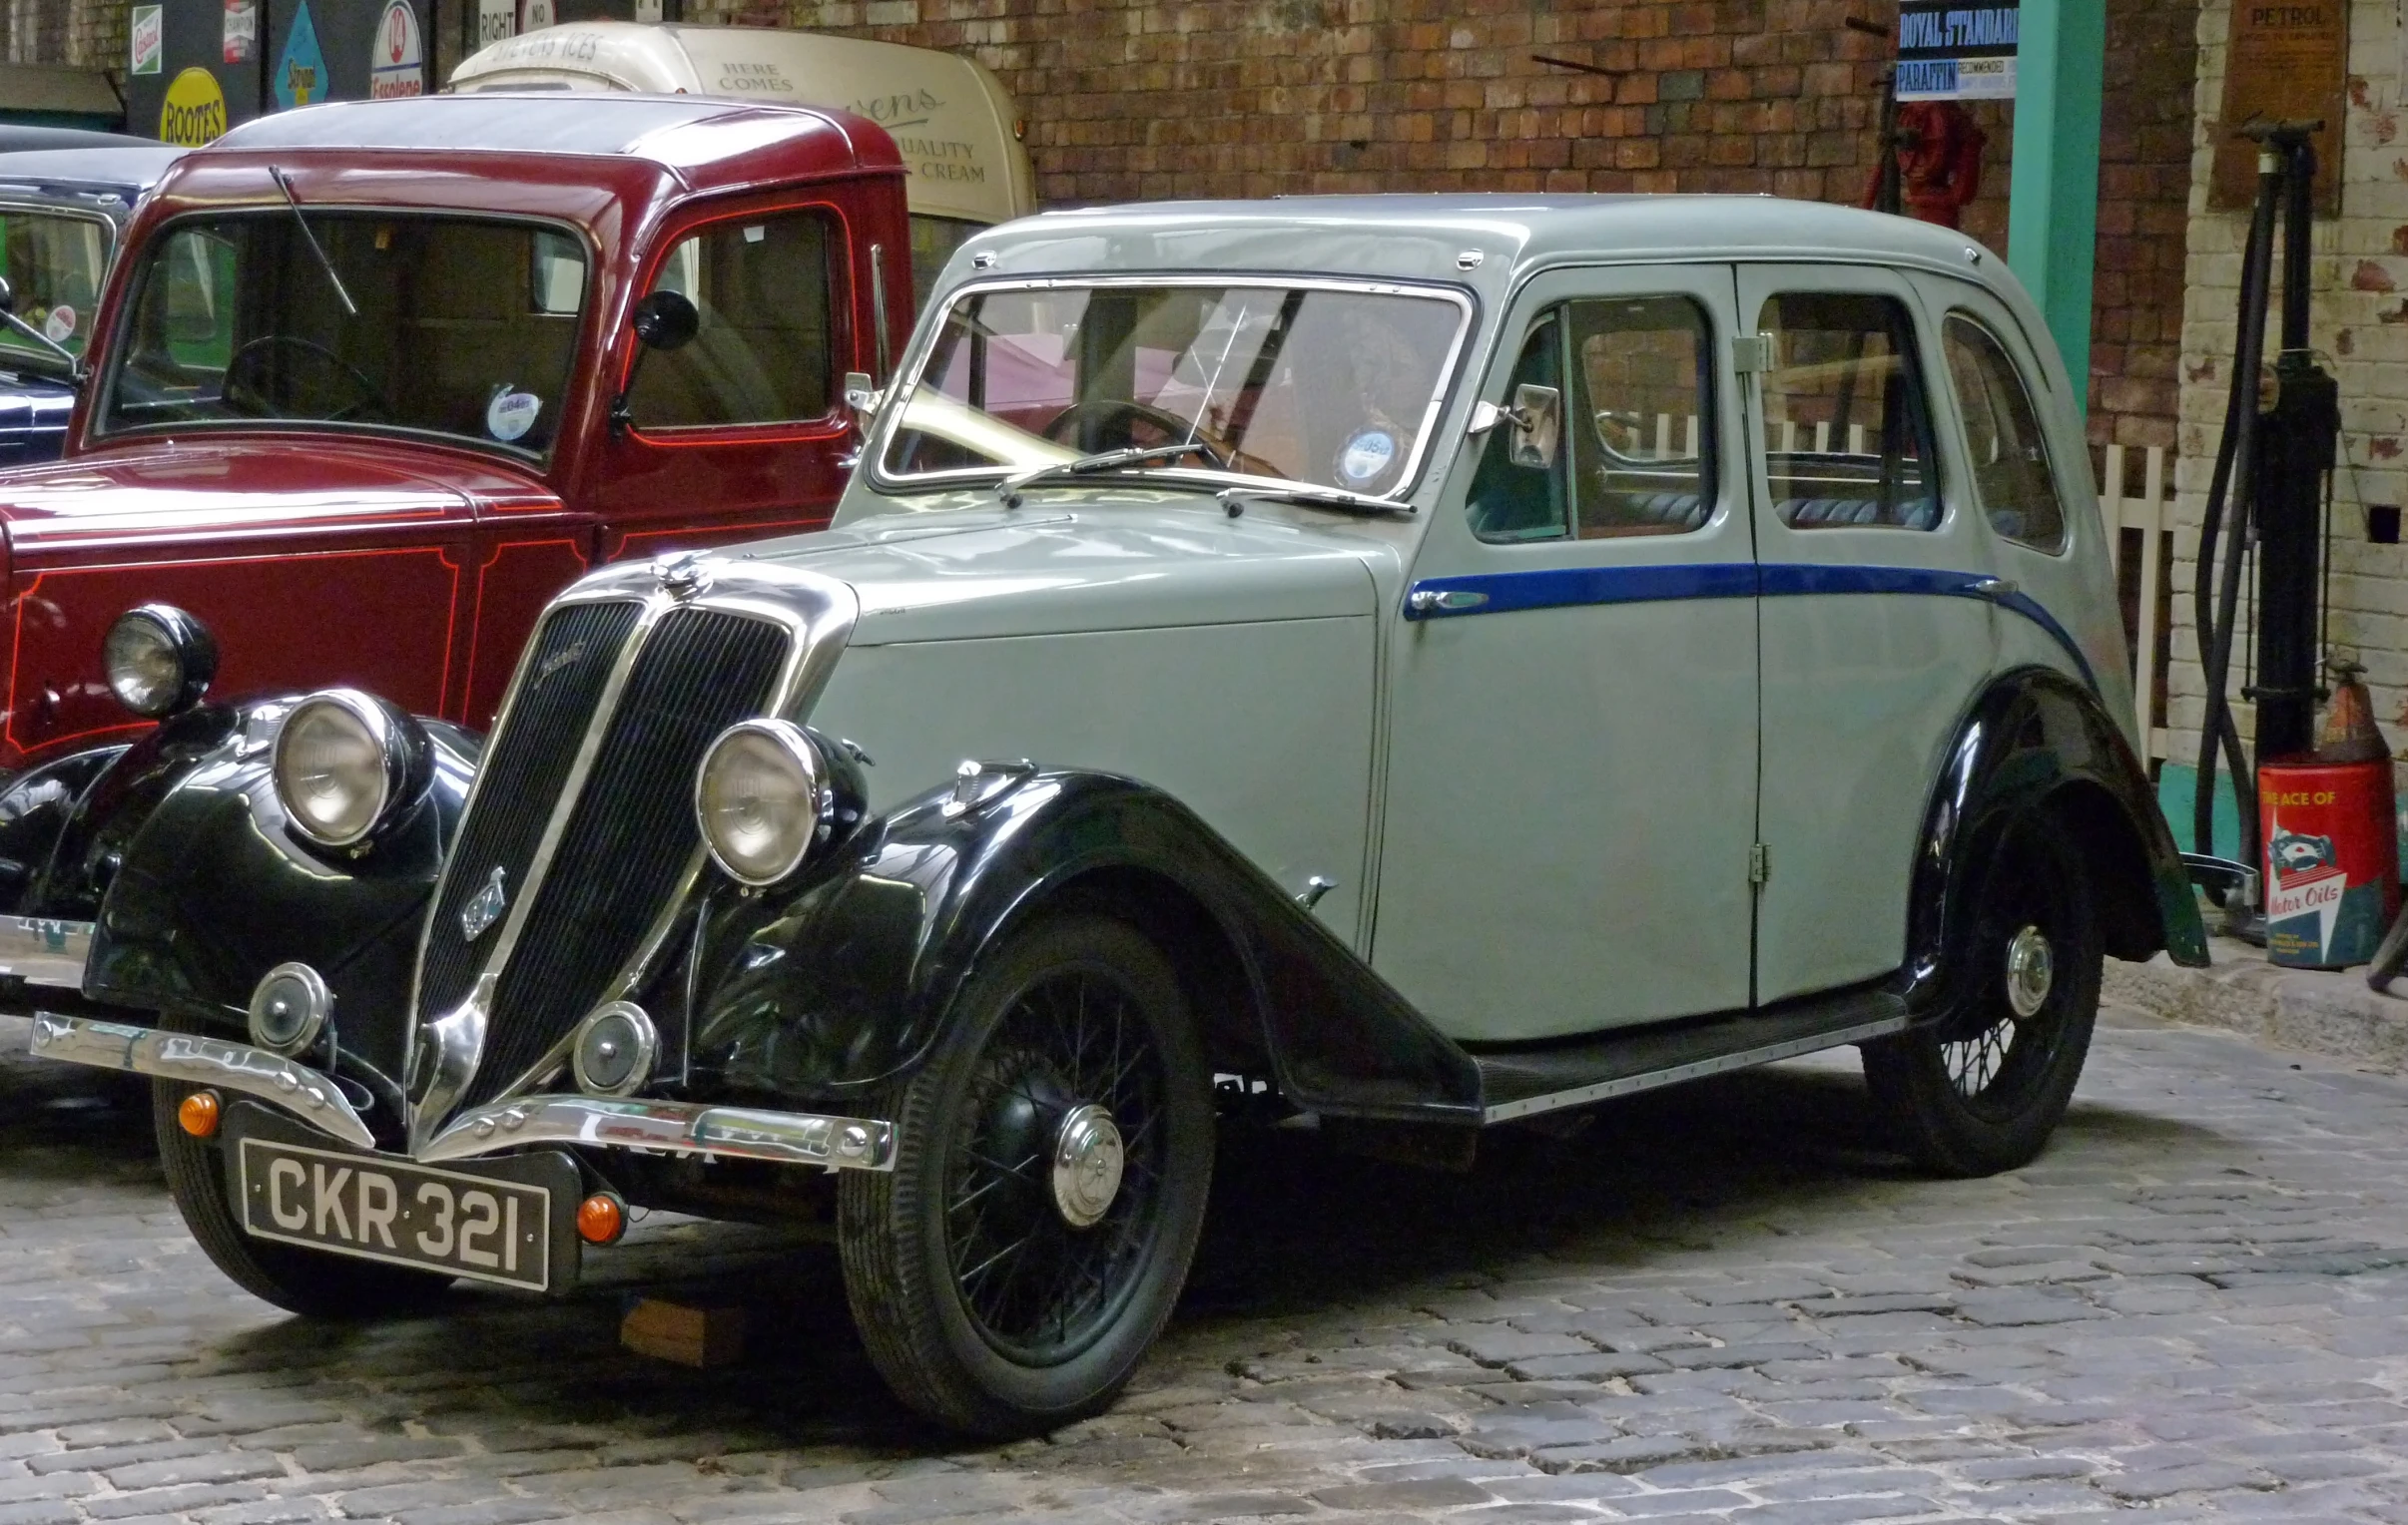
x=1054 y=1157
x=1038 y=1284
x=1979 y=1089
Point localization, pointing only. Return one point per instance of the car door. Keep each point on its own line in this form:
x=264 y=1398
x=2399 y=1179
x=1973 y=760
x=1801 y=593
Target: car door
x=1876 y=630
x=1571 y=756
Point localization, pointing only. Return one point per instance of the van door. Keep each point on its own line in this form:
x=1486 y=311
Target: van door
x=741 y=431
x=1571 y=764
x=1876 y=636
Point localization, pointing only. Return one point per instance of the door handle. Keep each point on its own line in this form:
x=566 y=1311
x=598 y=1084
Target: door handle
x=1994 y=588
x=1449 y=600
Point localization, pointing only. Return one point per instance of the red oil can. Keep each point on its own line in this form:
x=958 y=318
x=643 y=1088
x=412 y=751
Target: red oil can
x=2332 y=860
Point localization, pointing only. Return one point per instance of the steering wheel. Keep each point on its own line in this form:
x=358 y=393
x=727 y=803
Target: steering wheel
x=1100 y=413
x=252 y=356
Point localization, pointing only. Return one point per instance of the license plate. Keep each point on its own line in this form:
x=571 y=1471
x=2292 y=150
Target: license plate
x=378 y=1209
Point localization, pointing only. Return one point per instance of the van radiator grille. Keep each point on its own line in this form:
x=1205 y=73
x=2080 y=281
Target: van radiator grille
x=631 y=835
x=523 y=771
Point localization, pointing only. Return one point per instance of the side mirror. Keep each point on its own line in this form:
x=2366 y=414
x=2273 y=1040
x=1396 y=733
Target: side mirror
x=8 y=295
x=1537 y=420
x=666 y=321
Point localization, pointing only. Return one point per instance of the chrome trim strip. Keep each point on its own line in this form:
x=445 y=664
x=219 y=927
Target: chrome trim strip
x=818 y=613
x=1790 y=1048
x=44 y=952
x=203 y=1061
x=673 y=1127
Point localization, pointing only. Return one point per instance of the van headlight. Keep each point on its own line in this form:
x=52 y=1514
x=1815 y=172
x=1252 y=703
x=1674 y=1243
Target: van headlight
x=159 y=659
x=344 y=762
x=759 y=797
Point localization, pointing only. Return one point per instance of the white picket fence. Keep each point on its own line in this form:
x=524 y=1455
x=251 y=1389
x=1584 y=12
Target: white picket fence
x=2150 y=513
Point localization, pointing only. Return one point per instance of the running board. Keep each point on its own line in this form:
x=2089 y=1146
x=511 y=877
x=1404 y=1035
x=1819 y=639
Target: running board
x=1524 y=1082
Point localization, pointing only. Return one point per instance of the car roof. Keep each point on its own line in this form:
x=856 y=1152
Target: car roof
x=1480 y=241
x=126 y=171
x=18 y=137
x=681 y=134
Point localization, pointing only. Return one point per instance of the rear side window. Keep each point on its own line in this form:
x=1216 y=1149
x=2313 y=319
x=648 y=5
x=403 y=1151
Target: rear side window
x=1631 y=450
x=1847 y=426
x=2010 y=458
x=762 y=351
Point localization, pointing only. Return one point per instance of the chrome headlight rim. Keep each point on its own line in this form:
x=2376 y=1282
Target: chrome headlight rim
x=793 y=742
x=183 y=638
x=403 y=758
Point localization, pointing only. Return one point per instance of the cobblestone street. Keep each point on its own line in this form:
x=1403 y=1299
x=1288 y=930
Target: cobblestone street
x=1716 y=1303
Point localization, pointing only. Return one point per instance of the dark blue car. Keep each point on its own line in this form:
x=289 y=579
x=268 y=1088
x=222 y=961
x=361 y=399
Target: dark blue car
x=61 y=210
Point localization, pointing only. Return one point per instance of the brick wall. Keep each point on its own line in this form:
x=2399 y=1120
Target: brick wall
x=1140 y=98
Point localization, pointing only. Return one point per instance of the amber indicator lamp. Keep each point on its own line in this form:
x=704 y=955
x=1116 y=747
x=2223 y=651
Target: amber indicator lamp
x=198 y=1114
x=601 y=1218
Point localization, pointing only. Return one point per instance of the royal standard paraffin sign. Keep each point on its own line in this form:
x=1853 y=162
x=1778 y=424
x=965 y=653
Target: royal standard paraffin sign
x=1956 y=52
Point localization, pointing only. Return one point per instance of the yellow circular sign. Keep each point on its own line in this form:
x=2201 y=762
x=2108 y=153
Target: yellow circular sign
x=195 y=110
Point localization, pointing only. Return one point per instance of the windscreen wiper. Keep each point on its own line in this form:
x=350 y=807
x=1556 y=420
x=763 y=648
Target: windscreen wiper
x=1008 y=490
x=324 y=264
x=1335 y=499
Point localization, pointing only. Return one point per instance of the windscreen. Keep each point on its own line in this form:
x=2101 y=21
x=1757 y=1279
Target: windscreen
x=1326 y=386
x=453 y=325
x=54 y=267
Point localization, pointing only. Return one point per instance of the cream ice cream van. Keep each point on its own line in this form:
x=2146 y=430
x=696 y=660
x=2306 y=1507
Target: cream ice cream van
x=951 y=118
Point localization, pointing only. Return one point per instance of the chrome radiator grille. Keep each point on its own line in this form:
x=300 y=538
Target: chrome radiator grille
x=524 y=772
x=629 y=840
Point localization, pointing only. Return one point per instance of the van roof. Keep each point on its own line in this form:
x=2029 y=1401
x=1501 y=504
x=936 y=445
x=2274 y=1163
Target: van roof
x=689 y=136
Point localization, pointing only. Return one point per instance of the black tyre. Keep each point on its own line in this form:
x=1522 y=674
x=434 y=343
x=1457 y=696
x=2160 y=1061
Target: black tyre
x=1006 y=1281
x=1980 y=1090
x=297 y=1280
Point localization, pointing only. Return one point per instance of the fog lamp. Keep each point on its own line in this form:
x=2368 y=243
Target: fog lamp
x=344 y=761
x=613 y=1049
x=289 y=1009
x=198 y=1114
x=159 y=659
x=601 y=1218
x=758 y=798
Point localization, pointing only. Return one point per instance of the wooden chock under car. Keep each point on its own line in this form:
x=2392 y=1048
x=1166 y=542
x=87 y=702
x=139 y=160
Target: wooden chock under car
x=702 y=1337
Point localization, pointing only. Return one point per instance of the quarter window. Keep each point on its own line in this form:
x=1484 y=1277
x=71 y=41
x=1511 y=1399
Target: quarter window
x=762 y=351
x=1637 y=424
x=1847 y=428
x=2010 y=458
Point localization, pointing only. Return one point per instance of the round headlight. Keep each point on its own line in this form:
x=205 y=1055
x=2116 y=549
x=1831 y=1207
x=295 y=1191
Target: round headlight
x=343 y=760
x=159 y=659
x=758 y=798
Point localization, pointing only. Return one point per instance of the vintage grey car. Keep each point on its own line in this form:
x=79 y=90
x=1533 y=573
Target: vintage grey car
x=1402 y=666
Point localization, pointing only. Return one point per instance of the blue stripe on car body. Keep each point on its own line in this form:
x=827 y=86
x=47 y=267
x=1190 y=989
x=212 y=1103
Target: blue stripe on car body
x=1563 y=587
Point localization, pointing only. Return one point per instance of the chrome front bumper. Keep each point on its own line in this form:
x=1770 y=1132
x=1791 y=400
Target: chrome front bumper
x=42 y=952
x=664 y=1128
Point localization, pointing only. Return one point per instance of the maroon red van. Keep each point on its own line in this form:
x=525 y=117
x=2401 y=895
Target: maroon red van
x=373 y=380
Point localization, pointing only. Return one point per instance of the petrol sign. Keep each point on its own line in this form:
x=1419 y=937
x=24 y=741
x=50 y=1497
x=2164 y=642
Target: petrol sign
x=398 y=66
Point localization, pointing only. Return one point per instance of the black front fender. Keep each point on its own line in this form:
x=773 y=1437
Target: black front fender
x=2037 y=740
x=211 y=889
x=848 y=981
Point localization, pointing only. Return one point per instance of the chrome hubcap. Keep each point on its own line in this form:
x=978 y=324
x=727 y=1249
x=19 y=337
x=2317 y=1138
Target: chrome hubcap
x=2030 y=970
x=1087 y=1161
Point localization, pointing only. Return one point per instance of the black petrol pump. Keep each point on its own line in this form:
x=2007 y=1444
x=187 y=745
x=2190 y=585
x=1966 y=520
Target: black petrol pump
x=2268 y=493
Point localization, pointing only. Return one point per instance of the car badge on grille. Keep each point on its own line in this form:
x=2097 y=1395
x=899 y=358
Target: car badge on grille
x=484 y=908
x=681 y=574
